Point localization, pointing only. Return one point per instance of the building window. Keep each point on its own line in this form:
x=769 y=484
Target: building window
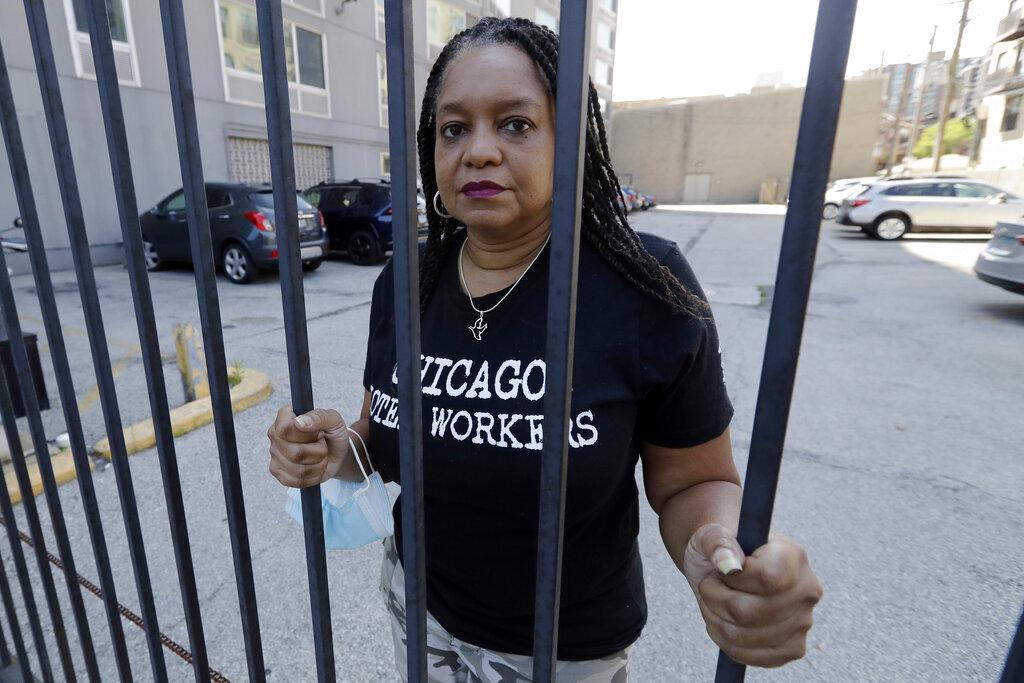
x=605 y=36
x=503 y=7
x=382 y=88
x=119 y=21
x=603 y=72
x=610 y=5
x=305 y=60
x=379 y=13
x=385 y=164
x=546 y=18
x=443 y=22
x=1011 y=113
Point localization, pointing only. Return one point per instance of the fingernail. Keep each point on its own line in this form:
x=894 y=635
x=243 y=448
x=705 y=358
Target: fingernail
x=727 y=562
x=304 y=421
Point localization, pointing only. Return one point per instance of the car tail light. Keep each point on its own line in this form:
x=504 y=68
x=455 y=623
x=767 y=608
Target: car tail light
x=320 y=217
x=388 y=211
x=1020 y=240
x=260 y=221
x=858 y=202
x=273 y=254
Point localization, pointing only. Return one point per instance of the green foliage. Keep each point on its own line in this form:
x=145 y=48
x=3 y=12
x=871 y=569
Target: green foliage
x=235 y=373
x=957 y=138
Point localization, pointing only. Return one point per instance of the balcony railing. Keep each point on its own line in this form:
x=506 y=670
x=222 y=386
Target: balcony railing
x=1011 y=27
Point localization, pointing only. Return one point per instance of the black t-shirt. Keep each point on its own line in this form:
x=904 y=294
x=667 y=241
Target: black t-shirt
x=641 y=374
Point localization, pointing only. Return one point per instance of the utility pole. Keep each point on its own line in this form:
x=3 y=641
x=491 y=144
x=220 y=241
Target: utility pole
x=909 y=154
x=897 y=125
x=947 y=95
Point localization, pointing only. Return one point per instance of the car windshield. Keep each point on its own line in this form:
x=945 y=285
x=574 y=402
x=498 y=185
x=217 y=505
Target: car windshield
x=265 y=200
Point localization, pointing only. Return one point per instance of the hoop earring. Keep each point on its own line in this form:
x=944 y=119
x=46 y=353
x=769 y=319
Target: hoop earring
x=439 y=212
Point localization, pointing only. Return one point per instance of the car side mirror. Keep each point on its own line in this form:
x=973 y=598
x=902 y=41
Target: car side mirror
x=18 y=223
x=1000 y=198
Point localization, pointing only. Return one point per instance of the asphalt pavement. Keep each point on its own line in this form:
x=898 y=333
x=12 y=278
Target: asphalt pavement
x=901 y=475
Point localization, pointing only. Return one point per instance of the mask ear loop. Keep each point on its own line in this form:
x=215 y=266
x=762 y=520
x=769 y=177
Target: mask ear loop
x=339 y=431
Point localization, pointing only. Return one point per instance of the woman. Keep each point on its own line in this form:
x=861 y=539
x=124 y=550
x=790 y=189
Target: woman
x=647 y=384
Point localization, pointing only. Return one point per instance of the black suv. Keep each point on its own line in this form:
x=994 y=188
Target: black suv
x=242 y=228
x=357 y=214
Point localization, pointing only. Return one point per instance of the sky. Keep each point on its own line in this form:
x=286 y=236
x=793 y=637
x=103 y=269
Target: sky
x=685 y=48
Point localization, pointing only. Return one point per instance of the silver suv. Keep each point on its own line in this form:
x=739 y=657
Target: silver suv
x=890 y=209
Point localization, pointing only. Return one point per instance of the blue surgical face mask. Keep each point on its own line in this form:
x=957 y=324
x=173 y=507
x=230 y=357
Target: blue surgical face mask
x=354 y=513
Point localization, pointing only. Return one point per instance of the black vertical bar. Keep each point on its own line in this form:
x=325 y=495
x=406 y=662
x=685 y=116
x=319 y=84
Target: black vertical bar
x=1013 y=671
x=282 y=172
x=12 y=621
x=20 y=568
x=183 y=101
x=44 y=286
x=32 y=516
x=402 y=137
x=813 y=158
x=127 y=208
x=570 y=126
x=27 y=593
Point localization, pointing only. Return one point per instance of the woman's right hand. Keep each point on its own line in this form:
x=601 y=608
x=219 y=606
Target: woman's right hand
x=307 y=449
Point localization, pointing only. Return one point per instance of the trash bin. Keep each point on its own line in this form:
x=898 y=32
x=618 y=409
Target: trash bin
x=12 y=380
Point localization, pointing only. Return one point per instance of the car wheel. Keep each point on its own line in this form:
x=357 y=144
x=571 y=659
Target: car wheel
x=238 y=265
x=363 y=248
x=890 y=227
x=310 y=266
x=150 y=255
x=830 y=212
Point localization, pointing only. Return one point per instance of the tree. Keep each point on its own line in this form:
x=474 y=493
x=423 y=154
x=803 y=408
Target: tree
x=956 y=140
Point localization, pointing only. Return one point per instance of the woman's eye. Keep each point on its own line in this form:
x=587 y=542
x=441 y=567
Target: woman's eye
x=517 y=126
x=452 y=130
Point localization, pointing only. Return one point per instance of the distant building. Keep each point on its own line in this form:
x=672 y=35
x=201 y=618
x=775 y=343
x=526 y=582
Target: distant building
x=1001 y=123
x=735 y=149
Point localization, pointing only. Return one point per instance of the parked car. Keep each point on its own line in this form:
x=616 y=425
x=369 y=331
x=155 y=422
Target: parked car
x=633 y=198
x=624 y=201
x=890 y=209
x=358 y=214
x=242 y=227
x=650 y=199
x=838 y=190
x=1001 y=262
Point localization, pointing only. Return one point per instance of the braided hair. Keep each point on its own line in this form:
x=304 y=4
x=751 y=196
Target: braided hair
x=603 y=220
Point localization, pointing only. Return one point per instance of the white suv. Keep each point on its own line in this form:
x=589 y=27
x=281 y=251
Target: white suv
x=890 y=209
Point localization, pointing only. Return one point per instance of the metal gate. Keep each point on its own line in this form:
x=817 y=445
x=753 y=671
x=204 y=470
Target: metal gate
x=813 y=155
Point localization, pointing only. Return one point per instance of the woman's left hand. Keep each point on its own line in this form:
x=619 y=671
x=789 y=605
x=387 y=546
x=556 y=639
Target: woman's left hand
x=758 y=609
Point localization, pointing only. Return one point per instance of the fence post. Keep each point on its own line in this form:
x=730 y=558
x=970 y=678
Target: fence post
x=282 y=165
x=813 y=158
x=570 y=126
x=402 y=136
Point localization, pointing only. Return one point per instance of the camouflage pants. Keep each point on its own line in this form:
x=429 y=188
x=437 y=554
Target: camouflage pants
x=450 y=660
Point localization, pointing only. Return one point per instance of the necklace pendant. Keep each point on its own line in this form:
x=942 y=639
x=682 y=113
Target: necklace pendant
x=478 y=328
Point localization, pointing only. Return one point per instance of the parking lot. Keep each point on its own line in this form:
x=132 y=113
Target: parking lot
x=901 y=477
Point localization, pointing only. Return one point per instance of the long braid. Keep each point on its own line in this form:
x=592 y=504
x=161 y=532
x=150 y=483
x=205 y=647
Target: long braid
x=603 y=221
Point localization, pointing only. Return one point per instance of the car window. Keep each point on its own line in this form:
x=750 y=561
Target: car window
x=342 y=197
x=372 y=194
x=175 y=202
x=920 y=190
x=217 y=197
x=265 y=200
x=313 y=197
x=976 y=190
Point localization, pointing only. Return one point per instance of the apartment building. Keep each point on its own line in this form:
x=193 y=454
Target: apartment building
x=336 y=69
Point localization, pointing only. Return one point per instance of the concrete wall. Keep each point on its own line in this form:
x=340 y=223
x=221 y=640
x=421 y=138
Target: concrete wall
x=735 y=144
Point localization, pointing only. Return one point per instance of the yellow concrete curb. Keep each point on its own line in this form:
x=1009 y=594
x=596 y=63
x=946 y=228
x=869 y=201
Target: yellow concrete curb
x=63 y=472
x=254 y=388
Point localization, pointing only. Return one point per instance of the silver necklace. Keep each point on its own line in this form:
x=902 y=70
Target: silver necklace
x=478 y=327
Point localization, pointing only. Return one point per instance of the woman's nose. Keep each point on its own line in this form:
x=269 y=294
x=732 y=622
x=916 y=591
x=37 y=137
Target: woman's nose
x=483 y=150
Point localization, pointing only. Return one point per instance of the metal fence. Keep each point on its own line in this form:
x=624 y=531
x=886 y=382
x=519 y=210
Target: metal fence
x=813 y=155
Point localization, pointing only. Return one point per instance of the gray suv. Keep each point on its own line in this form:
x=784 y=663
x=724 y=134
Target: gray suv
x=242 y=227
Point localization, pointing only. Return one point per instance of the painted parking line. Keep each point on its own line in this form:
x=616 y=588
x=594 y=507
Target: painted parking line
x=92 y=395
